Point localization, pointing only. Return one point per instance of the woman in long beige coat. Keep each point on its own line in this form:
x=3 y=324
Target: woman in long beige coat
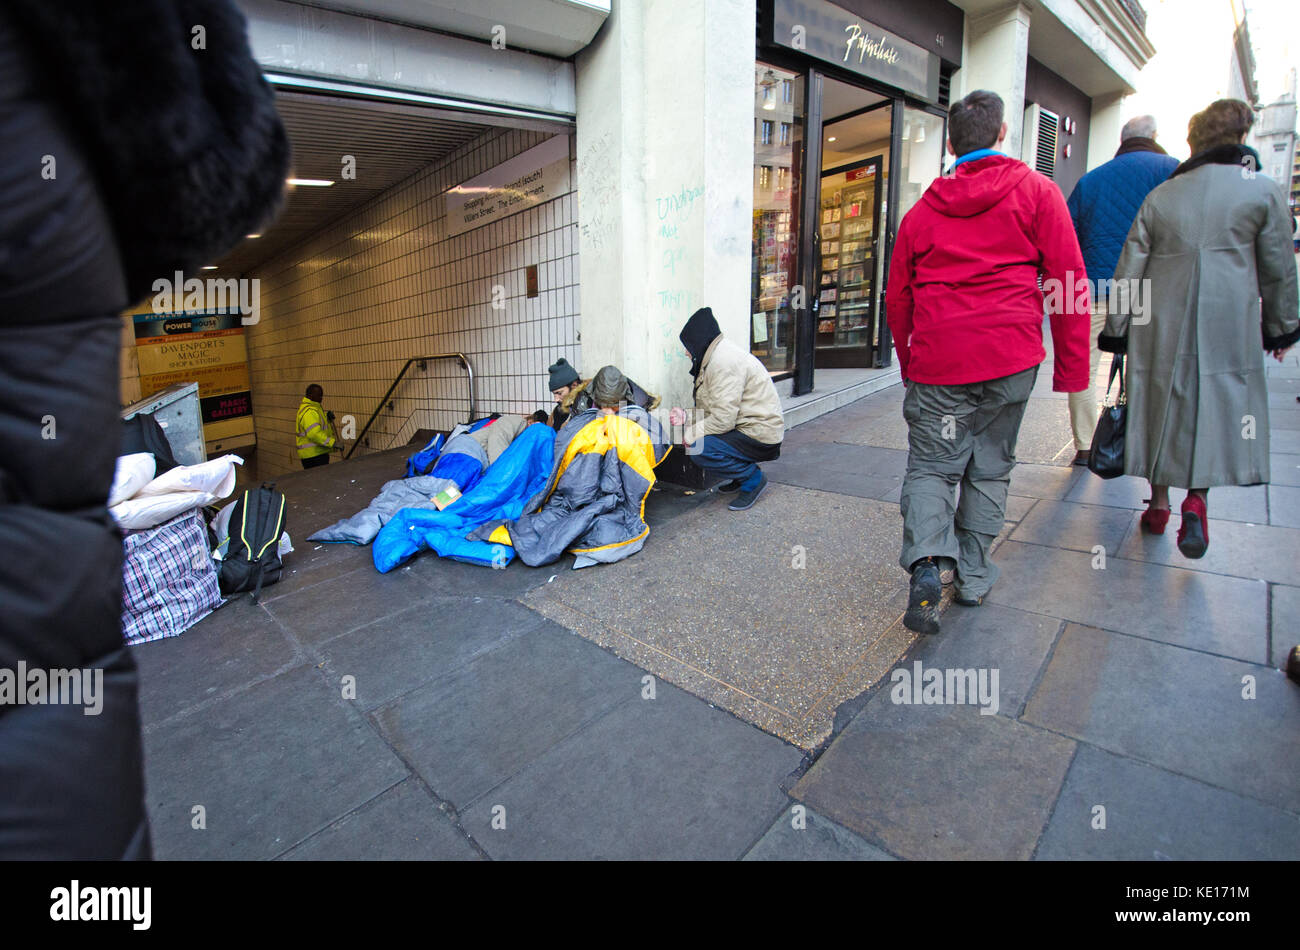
x=1212 y=247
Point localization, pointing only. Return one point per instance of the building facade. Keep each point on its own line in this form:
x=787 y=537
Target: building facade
x=574 y=178
x=1274 y=137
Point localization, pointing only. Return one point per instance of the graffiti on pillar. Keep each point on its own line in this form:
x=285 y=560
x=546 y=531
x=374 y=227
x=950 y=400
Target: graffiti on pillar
x=675 y=299
x=597 y=199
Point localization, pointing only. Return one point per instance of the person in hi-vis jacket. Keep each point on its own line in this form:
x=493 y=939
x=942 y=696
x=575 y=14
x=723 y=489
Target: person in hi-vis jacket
x=315 y=426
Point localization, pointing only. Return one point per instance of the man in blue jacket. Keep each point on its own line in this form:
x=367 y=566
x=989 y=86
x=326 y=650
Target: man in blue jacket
x=1103 y=206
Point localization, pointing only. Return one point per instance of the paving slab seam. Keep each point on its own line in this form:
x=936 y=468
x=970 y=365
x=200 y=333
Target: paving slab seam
x=806 y=753
x=579 y=728
x=483 y=651
x=1174 y=567
x=1135 y=636
x=334 y=821
x=1128 y=756
x=301 y=657
x=780 y=812
x=1060 y=790
x=1128 y=531
x=1028 y=511
x=668 y=656
x=400 y=605
x=1268 y=625
x=861 y=658
x=1042 y=669
x=447 y=808
x=838 y=724
x=208 y=701
x=784 y=811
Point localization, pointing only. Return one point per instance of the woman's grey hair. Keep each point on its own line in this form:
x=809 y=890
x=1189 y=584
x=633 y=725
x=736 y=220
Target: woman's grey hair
x=1139 y=127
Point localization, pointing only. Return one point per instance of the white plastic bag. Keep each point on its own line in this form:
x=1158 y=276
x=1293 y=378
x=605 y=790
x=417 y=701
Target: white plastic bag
x=177 y=491
x=215 y=476
x=133 y=472
x=149 y=511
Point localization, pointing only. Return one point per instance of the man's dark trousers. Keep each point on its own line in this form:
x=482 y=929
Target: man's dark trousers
x=714 y=455
x=965 y=435
x=322 y=459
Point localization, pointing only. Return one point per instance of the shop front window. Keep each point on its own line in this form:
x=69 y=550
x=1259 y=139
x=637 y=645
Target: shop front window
x=777 y=160
x=922 y=156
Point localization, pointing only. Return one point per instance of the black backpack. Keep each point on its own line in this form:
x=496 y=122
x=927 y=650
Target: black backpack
x=253 y=550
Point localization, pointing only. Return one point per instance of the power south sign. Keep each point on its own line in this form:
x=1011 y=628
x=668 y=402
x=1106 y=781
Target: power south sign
x=834 y=35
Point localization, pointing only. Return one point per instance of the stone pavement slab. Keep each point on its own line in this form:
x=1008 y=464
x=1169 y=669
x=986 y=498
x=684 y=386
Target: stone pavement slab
x=1285 y=442
x=472 y=729
x=270 y=766
x=1284 y=418
x=1284 y=507
x=1236 y=548
x=1178 y=709
x=1151 y=814
x=939 y=782
x=863 y=471
x=402 y=824
x=1231 y=503
x=990 y=637
x=1284 y=469
x=819 y=839
x=1018 y=506
x=881 y=488
x=407 y=649
x=1044 y=433
x=1044 y=481
x=1075 y=527
x=776 y=613
x=232 y=647
x=653 y=779
x=1286 y=623
x=333 y=607
x=1223 y=615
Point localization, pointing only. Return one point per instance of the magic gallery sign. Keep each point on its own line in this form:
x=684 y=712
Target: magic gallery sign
x=834 y=35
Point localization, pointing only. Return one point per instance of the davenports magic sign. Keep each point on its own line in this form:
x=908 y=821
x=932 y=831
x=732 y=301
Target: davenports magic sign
x=834 y=35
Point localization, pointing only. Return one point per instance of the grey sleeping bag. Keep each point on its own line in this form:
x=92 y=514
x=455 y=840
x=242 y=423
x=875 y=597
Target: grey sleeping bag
x=416 y=492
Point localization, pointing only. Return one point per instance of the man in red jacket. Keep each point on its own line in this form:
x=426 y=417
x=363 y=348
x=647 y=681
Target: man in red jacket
x=966 y=312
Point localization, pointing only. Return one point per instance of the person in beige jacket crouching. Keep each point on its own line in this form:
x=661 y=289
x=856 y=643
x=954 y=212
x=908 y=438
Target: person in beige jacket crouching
x=737 y=420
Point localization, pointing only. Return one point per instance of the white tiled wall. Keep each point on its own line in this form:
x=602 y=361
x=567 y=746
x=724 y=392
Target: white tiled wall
x=347 y=308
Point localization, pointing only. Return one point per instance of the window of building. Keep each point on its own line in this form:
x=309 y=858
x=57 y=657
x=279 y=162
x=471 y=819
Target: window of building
x=776 y=219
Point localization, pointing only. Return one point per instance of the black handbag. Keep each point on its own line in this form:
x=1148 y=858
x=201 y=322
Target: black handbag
x=1106 y=455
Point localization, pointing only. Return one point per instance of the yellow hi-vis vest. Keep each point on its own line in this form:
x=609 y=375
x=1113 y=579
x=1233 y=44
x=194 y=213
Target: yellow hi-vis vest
x=315 y=434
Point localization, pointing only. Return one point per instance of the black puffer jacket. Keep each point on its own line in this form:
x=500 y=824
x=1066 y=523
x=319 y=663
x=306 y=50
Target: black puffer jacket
x=101 y=162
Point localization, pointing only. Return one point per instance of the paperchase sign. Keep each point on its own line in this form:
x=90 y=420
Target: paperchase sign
x=834 y=35
x=527 y=180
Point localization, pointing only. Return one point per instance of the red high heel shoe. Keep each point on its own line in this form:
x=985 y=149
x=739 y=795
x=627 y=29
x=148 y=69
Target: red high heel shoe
x=1154 y=519
x=1194 y=535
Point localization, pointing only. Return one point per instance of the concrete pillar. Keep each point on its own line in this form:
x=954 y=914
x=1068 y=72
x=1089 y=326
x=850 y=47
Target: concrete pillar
x=1104 y=127
x=665 y=140
x=997 y=52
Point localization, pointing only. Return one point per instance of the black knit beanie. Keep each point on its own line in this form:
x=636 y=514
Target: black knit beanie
x=562 y=374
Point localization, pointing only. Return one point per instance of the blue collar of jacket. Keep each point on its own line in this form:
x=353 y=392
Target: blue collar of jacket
x=976 y=156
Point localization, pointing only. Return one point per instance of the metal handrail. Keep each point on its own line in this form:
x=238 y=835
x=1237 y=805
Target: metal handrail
x=459 y=357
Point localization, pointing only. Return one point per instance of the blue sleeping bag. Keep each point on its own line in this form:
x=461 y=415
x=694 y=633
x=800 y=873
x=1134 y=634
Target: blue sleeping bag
x=520 y=473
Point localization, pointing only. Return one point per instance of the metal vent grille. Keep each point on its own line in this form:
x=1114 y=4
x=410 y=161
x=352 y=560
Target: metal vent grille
x=1049 y=124
x=945 y=86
